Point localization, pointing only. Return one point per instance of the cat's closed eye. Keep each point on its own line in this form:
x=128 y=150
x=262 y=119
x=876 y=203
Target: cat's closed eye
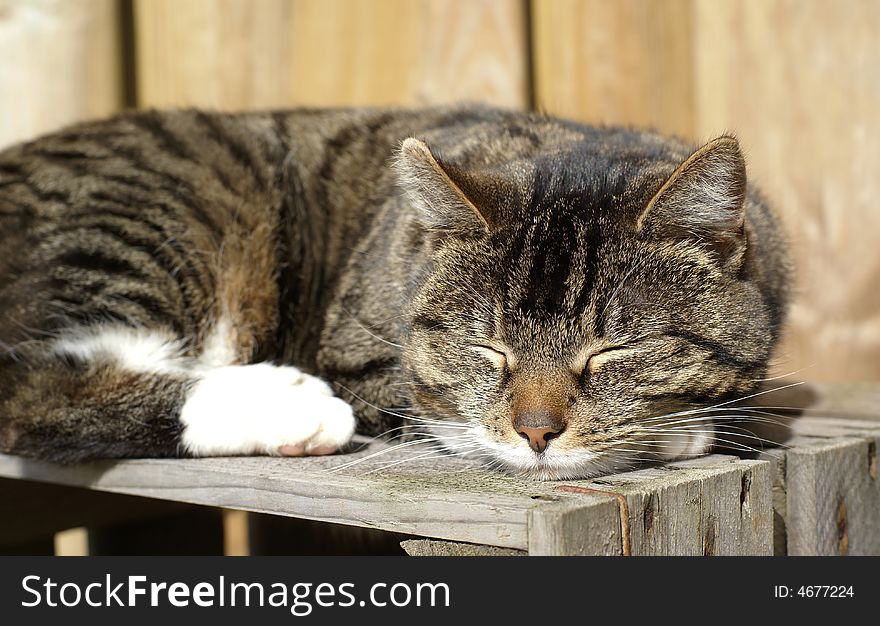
x=589 y=361
x=500 y=358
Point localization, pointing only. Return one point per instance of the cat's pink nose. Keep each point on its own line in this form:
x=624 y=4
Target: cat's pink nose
x=538 y=427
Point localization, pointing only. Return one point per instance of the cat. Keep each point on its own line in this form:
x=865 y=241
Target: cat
x=560 y=298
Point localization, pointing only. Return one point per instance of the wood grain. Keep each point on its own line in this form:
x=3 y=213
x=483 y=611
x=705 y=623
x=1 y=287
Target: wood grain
x=213 y=53
x=581 y=526
x=61 y=64
x=798 y=82
x=833 y=498
x=236 y=54
x=831 y=449
x=713 y=505
x=826 y=498
x=446 y=498
x=431 y=547
x=458 y=505
x=623 y=62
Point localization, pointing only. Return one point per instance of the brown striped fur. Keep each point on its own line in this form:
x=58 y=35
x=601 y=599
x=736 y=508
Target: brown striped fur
x=332 y=249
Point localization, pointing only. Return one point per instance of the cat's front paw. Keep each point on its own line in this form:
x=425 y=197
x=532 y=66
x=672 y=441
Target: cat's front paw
x=264 y=409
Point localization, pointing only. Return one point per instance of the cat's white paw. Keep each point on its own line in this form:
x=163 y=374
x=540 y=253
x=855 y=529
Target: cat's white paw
x=264 y=409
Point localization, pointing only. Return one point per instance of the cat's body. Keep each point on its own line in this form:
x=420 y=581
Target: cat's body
x=170 y=282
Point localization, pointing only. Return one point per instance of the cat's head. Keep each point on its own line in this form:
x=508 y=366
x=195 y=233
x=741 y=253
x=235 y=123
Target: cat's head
x=578 y=307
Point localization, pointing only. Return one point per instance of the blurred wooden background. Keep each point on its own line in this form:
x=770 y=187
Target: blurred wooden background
x=797 y=80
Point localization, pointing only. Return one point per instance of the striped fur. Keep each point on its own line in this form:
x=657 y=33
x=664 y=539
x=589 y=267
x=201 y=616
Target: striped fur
x=309 y=239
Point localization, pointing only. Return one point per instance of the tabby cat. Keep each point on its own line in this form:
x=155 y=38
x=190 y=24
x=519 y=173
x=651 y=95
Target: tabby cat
x=550 y=295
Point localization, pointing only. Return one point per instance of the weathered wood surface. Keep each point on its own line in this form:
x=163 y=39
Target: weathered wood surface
x=826 y=488
x=699 y=507
x=714 y=505
x=433 y=547
x=833 y=497
x=446 y=498
x=820 y=494
x=826 y=491
x=585 y=527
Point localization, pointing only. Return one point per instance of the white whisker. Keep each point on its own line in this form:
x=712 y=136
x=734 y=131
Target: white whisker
x=371 y=334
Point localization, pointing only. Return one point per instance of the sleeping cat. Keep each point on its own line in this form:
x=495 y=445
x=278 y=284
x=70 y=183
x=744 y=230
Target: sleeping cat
x=557 y=297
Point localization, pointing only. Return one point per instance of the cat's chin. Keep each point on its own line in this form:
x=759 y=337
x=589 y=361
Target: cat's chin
x=560 y=465
x=583 y=464
x=551 y=464
x=580 y=463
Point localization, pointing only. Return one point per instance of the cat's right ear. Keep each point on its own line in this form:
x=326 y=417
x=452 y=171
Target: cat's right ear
x=704 y=199
x=437 y=192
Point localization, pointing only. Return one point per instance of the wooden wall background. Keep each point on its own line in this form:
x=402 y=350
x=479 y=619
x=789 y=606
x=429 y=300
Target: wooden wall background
x=797 y=80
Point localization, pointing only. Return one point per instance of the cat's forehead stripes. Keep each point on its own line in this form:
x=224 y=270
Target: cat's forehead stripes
x=553 y=264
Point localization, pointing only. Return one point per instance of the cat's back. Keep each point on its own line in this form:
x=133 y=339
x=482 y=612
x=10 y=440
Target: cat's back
x=195 y=169
x=241 y=152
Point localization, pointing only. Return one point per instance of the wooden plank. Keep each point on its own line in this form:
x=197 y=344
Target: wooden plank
x=431 y=547
x=72 y=542
x=213 y=53
x=839 y=425
x=809 y=138
x=411 y=51
x=584 y=526
x=236 y=54
x=235 y=533
x=797 y=490
x=779 y=499
x=623 y=62
x=449 y=501
x=833 y=498
x=714 y=505
x=61 y=64
x=445 y=498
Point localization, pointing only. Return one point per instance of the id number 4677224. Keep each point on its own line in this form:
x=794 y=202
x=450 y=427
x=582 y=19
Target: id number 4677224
x=813 y=591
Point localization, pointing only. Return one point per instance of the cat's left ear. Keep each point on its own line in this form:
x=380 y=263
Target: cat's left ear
x=439 y=193
x=703 y=199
